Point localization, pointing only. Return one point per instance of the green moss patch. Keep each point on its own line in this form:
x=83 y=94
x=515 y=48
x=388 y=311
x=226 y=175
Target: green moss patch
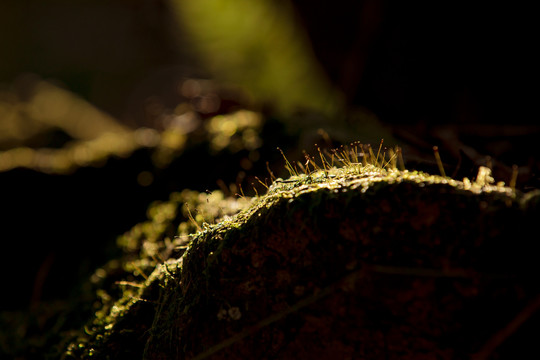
x=357 y=262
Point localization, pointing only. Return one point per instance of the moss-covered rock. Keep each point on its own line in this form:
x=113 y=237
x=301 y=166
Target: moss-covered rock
x=357 y=262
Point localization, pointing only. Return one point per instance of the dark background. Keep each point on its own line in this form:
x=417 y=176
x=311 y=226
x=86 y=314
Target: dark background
x=416 y=66
x=418 y=62
x=432 y=62
x=458 y=75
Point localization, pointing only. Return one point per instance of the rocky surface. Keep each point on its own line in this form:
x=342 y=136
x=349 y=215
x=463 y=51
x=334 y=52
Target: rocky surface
x=356 y=262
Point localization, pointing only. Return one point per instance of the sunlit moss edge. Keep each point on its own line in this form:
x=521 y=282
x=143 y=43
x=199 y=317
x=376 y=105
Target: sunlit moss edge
x=353 y=179
x=308 y=192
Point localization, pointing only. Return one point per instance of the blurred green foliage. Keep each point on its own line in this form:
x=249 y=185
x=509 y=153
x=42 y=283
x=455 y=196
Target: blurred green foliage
x=104 y=50
x=259 y=45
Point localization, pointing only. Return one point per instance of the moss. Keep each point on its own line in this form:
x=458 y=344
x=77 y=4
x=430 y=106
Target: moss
x=133 y=284
x=345 y=262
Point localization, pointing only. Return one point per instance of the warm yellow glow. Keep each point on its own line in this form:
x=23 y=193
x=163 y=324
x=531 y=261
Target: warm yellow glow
x=258 y=45
x=97 y=137
x=6 y=161
x=54 y=106
x=239 y=130
x=147 y=137
x=50 y=103
x=22 y=157
x=173 y=139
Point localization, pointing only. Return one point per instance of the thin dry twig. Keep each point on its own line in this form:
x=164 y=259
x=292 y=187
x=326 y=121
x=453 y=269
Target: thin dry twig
x=500 y=337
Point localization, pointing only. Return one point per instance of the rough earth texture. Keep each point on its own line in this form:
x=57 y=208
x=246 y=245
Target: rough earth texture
x=353 y=263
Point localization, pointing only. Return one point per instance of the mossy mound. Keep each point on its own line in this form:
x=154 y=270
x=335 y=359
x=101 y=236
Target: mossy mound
x=358 y=262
